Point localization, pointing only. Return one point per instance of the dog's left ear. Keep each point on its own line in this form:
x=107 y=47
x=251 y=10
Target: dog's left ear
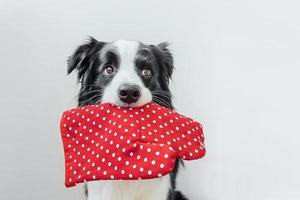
x=168 y=58
x=165 y=60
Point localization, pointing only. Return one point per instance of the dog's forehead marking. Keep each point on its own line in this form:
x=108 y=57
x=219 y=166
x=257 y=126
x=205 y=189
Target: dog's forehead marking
x=127 y=51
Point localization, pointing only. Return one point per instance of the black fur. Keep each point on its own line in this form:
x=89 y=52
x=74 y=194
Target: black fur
x=89 y=65
x=179 y=196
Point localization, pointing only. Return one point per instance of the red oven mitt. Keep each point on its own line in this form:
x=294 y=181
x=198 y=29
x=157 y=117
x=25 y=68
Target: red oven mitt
x=106 y=142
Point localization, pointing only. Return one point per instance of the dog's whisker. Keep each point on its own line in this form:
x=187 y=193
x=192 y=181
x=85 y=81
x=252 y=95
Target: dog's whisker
x=162 y=93
x=166 y=103
x=84 y=93
x=89 y=100
x=89 y=91
x=161 y=101
x=161 y=98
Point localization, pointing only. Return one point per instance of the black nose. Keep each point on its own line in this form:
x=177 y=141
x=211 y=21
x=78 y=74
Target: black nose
x=129 y=93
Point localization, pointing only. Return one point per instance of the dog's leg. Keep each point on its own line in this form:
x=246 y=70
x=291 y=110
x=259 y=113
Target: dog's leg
x=99 y=190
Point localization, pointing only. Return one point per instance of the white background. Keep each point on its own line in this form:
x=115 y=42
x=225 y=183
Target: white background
x=237 y=71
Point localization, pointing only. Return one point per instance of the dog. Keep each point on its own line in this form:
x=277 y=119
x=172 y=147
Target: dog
x=131 y=74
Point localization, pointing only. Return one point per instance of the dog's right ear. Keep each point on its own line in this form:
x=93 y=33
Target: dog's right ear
x=81 y=58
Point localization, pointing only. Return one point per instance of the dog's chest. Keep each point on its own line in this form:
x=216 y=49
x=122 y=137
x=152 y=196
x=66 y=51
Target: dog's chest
x=150 y=189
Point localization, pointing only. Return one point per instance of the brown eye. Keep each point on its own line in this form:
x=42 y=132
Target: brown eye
x=146 y=73
x=109 y=70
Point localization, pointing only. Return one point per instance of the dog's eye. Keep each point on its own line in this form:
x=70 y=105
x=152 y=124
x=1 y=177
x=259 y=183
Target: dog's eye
x=109 y=70
x=146 y=73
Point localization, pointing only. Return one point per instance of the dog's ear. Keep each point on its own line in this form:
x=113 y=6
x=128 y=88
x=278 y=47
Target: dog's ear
x=82 y=57
x=167 y=59
x=164 y=60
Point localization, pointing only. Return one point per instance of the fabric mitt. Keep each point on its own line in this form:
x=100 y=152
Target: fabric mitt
x=106 y=142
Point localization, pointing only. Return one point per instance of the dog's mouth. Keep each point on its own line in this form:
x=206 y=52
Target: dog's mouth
x=120 y=103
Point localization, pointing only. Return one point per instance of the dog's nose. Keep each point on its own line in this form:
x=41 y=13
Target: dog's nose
x=129 y=93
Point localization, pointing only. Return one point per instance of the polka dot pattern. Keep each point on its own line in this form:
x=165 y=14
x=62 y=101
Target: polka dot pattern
x=106 y=142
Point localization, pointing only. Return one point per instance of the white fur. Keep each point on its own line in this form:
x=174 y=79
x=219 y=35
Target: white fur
x=152 y=189
x=127 y=51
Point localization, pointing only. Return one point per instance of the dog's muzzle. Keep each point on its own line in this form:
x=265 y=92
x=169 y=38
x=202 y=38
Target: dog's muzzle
x=129 y=93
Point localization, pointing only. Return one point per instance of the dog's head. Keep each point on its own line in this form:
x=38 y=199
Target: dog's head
x=123 y=73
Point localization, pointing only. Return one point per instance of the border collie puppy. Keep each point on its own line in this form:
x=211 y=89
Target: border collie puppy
x=126 y=73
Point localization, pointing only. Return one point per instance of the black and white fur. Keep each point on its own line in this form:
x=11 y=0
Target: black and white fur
x=103 y=68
